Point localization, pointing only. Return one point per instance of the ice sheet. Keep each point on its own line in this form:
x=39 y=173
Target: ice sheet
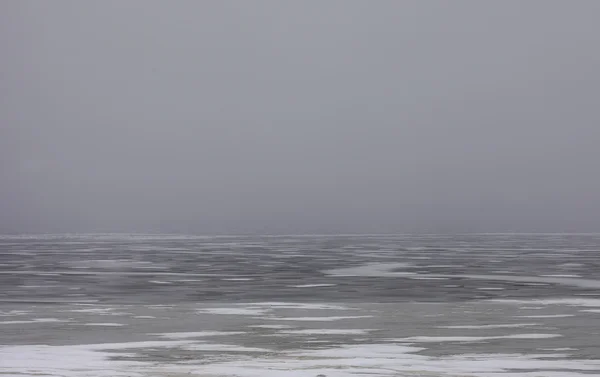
x=373 y=360
x=498 y=326
x=317 y=319
x=198 y=334
x=326 y=332
x=234 y=311
x=437 y=339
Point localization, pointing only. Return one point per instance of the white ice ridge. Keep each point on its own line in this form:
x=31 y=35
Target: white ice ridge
x=35 y=320
x=327 y=332
x=299 y=305
x=586 y=302
x=271 y=326
x=233 y=311
x=198 y=334
x=94 y=310
x=499 y=326
x=223 y=348
x=91 y=360
x=263 y=308
x=547 y=316
x=388 y=270
x=436 y=339
x=12 y=313
x=317 y=319
x=94 y=273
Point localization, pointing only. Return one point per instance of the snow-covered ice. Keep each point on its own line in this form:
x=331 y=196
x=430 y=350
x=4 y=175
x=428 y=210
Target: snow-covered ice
x=317 y=319
x=234 y=311
x=435 y=339
x=198 y=334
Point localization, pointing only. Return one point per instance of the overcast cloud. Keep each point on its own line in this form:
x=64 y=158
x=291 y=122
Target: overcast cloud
x=317 y=116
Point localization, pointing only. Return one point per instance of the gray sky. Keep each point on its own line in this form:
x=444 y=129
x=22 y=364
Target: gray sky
x=299 y=116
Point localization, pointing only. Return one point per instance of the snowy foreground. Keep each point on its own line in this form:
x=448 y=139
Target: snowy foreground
x=327 y=343
x=300 y=306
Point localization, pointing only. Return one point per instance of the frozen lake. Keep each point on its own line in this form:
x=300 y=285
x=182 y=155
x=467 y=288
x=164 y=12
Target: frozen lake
x=437 y=305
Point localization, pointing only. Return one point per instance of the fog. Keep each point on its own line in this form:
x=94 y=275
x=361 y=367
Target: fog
x=269 y=117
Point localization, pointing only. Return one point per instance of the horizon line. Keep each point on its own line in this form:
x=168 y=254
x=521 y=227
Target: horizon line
x=215 y=235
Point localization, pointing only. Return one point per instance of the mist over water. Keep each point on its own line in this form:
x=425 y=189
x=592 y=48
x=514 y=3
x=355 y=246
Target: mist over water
x=299 y=117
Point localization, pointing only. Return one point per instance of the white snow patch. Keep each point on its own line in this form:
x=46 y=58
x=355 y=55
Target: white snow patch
x=562 y=276
x=238 y=279
x=372 y=269
x=499 y=326
x=387 y=270
x=198 y=334
x=36 y=320
x=160 y=282
x=327 y=332
x=367 y=360
x=135 y=345
x=234 y=311
x=12 y=313
x=588 y=302
x=68 y=361
x=377 y=360
x=559 y=349
x=271 y=326
x=547 y=316
x=317 y=319
x=436 y=339
x=91 y=360
x=300 y=305
x=94 y=310
x=424 y=277
x=223 y=348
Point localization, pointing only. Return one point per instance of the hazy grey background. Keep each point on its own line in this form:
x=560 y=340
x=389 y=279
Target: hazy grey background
x=299 y=116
